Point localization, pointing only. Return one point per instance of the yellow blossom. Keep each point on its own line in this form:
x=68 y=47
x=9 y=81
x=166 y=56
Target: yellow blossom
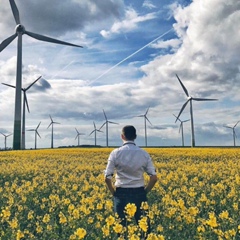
x=130 y=209
x=80 y=233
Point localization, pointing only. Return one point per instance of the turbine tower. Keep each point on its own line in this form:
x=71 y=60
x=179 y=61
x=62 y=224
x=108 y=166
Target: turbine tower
x=95 y=130
x=145 y=124
x=36 y=133
x=78 y=136
x=5 y=139
x=181 y=127
x=234 y=133
x=52 y=123
x=19 y=32
x=106 y=123
x=25 y=103
x=190 y=99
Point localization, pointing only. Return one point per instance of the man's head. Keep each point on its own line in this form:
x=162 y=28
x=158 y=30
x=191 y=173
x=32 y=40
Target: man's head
x=129 y=133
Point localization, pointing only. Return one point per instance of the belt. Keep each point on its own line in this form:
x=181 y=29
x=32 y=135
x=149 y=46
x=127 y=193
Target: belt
x=130 y=190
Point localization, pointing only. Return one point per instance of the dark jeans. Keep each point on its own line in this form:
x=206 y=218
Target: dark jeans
x=123 y=196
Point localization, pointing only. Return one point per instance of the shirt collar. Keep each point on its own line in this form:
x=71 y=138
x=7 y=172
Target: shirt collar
x=128 y=142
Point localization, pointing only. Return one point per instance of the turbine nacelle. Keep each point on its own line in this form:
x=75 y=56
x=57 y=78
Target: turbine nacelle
x=20 y=29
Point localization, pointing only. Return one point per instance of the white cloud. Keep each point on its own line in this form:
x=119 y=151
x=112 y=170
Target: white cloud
x=148 y=4
x=131 y=21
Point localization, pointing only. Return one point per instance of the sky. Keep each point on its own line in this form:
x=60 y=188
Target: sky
x=132 y=51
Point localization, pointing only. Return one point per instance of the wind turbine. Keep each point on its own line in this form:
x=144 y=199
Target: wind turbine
x=19 y=32
x=95 y=130
x=52 y=123
x=145 y=124
x=5 y=139
x=36 y=133
x=106 y=123
x=25 y=103
x=234 y=133
x=78 y=136
x=190 y=99
x=181 y=127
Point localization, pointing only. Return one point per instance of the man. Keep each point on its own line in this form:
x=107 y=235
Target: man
x=130 y=162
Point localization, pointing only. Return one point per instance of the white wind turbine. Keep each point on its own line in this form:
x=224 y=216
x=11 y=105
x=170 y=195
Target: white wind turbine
x=52 y=123
x=181 y=127
x=190 y=99
x=5 y=139
x=19 y=32
x=36 y=133
x=106 y=123
x=145 y=124
x=95 y=130
x=25 y=103
x=78 y=136
x=234 y=133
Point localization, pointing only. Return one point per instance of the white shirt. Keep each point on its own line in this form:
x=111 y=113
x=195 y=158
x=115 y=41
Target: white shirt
x=130 y=162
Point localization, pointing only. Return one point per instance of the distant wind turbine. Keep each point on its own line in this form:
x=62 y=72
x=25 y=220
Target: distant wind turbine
x=234 y=133
x=145 y=124
x=25 y=103
x=181 y=127
x=52 y=123
x=189 y=99
x=5 y=139
x=78 y=136
x=19 y=32
x=36 y=133
x=106 y=123
x=95 y=130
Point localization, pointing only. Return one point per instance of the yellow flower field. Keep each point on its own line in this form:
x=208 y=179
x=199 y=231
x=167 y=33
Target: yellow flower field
x=61 y=194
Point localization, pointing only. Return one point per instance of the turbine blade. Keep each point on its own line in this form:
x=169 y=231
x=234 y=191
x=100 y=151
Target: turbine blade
x=148 y=120
x=15 y=11
x=184 y=89
x=204 y=99
x=94 y=125
x=77 y=131
x=236 y=124
x=51 y=118
x=105 y=115
x=102 y=125
x=177 y=119
x=113 y=122
x=49 y=125
x=48 y=39
x=183 y=107
x=186 y=120
x=8 y=85
x=33 y=83
x=7 y=41
x=146 y=112
x=228 y=127
x=92 y=132
x=38 y=125
x=26 y=101
x=38 y=134
x=180 y=127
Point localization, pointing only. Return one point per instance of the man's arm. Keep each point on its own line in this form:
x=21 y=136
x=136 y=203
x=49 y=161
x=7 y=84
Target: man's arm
x=110 y=186
x=153 y=179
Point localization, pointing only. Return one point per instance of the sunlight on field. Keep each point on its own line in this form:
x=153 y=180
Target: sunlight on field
x=61 y=194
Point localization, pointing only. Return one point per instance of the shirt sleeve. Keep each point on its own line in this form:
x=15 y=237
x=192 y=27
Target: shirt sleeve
x=150 y=169
x=110 y=166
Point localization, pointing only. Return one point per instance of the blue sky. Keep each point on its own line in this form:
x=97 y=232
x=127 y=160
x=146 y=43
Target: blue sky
x=200 y=45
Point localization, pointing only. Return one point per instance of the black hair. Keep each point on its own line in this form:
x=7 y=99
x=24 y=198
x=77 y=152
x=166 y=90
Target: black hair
x=129 y=132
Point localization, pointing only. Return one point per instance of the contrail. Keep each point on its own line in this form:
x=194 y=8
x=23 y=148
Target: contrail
x=107 y=71
x=62 y=70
